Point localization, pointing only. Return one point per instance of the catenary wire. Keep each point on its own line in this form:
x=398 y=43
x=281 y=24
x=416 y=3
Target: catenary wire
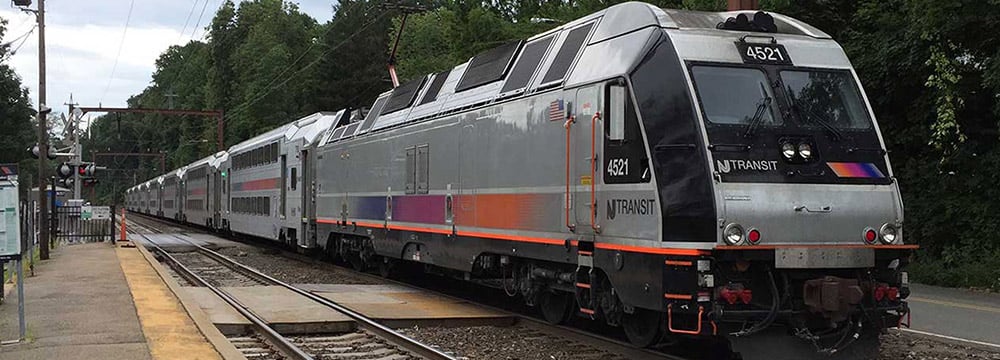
x=121 y=44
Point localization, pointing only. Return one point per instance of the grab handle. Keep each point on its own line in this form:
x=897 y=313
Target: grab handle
x=593 y=172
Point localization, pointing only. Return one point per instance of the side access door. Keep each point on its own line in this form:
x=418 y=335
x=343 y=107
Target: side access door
x=585 y=158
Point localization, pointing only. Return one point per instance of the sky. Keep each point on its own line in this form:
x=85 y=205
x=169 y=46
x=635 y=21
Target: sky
x=82 y=40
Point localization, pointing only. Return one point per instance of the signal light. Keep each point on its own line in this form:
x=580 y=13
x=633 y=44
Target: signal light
x=35 y=151
x=81 y=170
x=64 y=170
x=733 y=293
x=892 y=294
x=730 y=295
x=870 y=236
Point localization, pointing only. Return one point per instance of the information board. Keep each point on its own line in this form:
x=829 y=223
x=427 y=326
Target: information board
x=10 y=220
x=100 y=212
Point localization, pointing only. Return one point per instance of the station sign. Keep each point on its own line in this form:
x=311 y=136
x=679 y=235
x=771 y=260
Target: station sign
x=95 y=212
x=10 y=219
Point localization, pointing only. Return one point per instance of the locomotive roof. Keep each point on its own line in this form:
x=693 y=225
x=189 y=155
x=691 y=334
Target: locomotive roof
x=551 y=60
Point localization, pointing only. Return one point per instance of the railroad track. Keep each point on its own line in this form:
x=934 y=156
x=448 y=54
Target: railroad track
x=597 y=346
x=207 y=268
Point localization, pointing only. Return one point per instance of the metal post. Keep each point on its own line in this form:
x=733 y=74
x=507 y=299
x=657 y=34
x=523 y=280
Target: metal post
x=43 y=133
x=22 y=324
x=77 y=161
x=3 y=277
x=52 y=221
x=220 y=124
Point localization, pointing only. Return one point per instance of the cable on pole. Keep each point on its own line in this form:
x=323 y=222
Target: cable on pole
x=121 y=44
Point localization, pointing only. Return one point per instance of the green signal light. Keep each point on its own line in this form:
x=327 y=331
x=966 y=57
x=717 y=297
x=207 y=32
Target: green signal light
x=223 y=174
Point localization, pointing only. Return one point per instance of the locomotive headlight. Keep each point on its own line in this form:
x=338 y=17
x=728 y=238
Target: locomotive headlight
x=733 y=234
x=888 y=234
x=805 y=150
x=788 y=150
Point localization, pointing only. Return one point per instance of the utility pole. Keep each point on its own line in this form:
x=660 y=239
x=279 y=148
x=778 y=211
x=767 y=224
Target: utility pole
x=74 y=125
x=43 y=139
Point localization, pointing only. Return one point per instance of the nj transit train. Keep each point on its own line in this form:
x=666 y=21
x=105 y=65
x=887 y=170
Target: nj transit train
x=683 y=175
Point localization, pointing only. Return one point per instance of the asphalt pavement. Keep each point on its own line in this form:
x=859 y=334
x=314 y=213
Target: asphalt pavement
x=957 y=313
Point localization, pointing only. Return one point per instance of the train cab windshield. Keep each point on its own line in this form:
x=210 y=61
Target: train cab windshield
x=826 y=96
x=732 y=95
x=761 y=114
x=719 y=86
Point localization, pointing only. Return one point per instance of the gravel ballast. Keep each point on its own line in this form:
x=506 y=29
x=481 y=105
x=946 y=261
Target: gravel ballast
x=290 y=270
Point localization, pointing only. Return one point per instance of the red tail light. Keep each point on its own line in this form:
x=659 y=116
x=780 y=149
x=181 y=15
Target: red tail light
x=746 y=295
x=880 y=292
x=753 y=236
x=729 y=295
x=870 y=236
x=892 y=294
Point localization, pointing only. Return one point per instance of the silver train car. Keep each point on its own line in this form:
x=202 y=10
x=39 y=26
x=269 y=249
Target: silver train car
x=201 y=200
x=264 y=184
x=717 y=177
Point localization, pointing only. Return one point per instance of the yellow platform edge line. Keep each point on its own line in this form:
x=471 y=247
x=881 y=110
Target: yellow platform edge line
x=172 y=330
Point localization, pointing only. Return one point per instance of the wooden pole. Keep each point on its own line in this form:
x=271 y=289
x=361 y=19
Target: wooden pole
x=43 y=139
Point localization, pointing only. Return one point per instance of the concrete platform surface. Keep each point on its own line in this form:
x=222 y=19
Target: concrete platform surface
x=288 y=312
x=403 y=306
x=78 y=306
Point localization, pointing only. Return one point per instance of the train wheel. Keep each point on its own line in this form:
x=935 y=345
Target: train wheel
x=386 y=267
x=356 y=262
x=643 y=327
x=556 y=307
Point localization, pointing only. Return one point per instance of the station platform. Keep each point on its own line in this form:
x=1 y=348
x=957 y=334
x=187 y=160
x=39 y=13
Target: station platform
x=98 y=301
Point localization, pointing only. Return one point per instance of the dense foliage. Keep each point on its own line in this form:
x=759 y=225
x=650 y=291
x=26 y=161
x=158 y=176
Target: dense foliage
x=931 y=68
x=17 y=118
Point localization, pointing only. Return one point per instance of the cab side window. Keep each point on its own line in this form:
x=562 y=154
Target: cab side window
x=625 y=159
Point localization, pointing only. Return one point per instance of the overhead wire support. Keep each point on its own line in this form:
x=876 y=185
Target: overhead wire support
x=406 y=10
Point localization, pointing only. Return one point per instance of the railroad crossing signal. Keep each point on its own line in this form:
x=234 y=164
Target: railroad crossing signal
x=64 y=170
x=34 y=151
x=86 y=169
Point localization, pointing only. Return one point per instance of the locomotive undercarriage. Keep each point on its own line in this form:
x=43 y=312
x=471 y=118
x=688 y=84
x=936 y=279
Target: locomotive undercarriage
x=837 y=312
x=732 y=299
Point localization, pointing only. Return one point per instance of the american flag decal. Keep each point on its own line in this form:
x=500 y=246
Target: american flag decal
x=556 y=110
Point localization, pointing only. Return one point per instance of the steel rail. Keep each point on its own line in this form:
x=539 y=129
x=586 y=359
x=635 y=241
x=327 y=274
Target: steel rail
x=528 y=321
x=559 y=330
x=284 y=346
x=416 y=347
x=412 y=345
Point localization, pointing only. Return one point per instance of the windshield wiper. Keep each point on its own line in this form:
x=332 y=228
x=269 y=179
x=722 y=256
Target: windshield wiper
x=814 y=117
x=758 y=114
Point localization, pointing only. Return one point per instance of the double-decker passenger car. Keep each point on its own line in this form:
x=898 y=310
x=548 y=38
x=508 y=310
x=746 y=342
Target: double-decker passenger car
x=264 y=180
x=171 y=191
x=202 y=195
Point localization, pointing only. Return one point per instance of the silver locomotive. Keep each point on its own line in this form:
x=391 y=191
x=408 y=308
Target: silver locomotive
x=712 y=176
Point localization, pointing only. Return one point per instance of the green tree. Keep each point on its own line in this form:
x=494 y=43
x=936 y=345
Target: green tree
x=16 y=116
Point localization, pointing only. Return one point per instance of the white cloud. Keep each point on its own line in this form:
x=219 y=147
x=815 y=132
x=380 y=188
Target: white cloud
x=82 y=40
x=80 y=59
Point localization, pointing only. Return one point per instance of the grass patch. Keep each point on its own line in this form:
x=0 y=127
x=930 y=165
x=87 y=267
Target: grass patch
x=980 y=274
